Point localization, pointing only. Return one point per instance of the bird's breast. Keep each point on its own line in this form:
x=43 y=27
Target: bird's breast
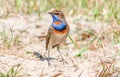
x=62 y=32
x=58 y=36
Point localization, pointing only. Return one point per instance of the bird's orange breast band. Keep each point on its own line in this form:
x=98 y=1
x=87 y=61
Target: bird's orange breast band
x=57 y=23
x=62 y=31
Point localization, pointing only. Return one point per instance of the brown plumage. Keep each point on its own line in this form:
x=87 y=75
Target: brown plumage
x=57 y=32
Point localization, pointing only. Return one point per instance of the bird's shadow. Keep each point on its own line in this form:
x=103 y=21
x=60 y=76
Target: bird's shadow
x=40 y=56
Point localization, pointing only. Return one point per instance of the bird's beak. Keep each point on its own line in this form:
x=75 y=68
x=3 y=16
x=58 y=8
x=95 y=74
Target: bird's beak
x=50 y=12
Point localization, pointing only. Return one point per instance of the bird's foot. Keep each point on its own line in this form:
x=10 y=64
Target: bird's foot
x=65 y=62
x=62 y=60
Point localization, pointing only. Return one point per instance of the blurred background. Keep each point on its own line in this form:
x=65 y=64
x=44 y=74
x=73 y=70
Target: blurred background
x=103 y=10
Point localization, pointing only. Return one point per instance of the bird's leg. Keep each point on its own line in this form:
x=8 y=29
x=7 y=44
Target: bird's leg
x=48 y=59
x=60 y=53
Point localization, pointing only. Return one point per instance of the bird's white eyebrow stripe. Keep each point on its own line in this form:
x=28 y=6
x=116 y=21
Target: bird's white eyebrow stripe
x=58 y=12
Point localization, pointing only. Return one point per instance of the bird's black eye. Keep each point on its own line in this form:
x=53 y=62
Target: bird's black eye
x=56 y=13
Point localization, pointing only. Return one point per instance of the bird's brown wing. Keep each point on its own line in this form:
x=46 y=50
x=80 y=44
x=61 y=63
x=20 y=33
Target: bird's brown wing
x=48 y=36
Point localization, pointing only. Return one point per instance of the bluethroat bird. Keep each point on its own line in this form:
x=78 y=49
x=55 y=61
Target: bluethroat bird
x=57 y=32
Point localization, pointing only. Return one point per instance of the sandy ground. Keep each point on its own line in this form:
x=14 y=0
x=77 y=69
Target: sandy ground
x=27 y=48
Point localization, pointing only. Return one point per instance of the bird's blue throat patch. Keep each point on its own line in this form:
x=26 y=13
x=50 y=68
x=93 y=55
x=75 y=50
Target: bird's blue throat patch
x=57 y=23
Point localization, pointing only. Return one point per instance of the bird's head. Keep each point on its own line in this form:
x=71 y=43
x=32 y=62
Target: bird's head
x=57 y=15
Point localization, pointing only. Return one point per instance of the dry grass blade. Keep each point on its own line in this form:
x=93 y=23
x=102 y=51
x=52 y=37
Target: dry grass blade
x=118 y=74
x=41 y=37
x=80 y=74
x=41 y=72
x=56 y=75
x=106 y=71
